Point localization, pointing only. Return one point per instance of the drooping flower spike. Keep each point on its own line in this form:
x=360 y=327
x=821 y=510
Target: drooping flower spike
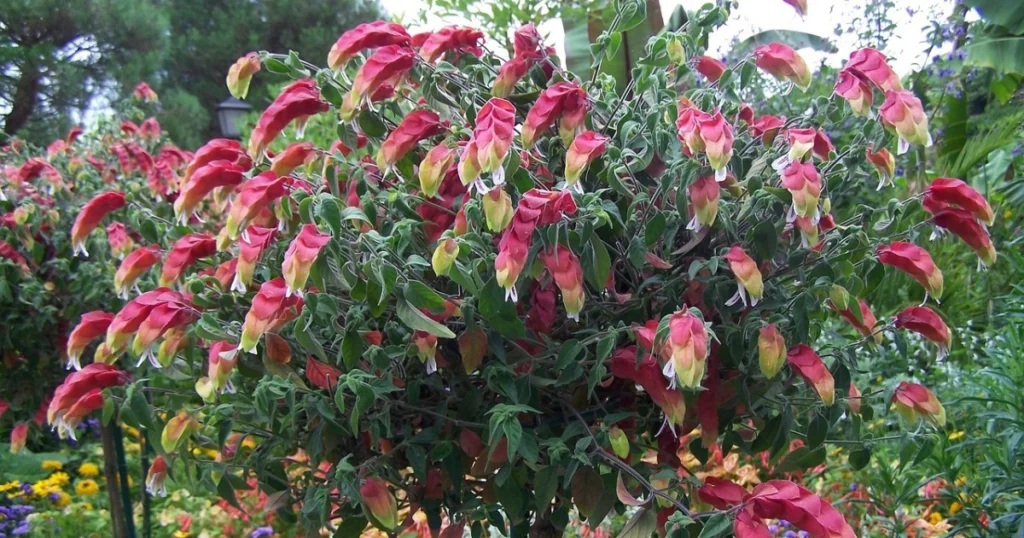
x=963 y=225
x=927 y=323
x=185 y=252
x=297 y=102
x=133 y=266
x=301 y=254
x=92 y=325
x=864 y=323
x=211 y=176
x=434 y=167
x=268 y=306
x=782 y=62
x=163 y=318
x=369 y=35
x=704 y=193
x=416 y=126
x=90 y=216
x=218 y=149
x=156 y=476
x=79 y=394
x=566 y=98
x=717 y=138
x=946 y=191
x=254 y=197
x=648 y=375
x=488 y=147
x=871 y=65
x=883 y=162
x=916 y=262
x=19 y=435
x=903 y=113
x=807 y=141
x=220 y=364
x=240 y=75
x=451 y=38
x=809 y=366
x=498 y=209
x=254 y=241
x=294 y=156
x=536 y=208
x=748 y=277
x=771 y=350
x=804 y=183
x=587 y=146
x=388 y=65
x=914 y=401
x=120 y=242
x=683 y=352
x=568 y=274
x=852 y=87
x=379 y=503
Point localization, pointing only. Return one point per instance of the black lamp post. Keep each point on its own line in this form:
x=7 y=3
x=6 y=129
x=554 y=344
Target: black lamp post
x=229 y=116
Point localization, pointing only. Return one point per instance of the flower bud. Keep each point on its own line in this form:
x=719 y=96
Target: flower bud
x=587 y=146
x=155 y=478
x=379 y=503
x=568 y=273
x=676 y=53
x=839 y=296
x=771 y=351
x=853 y=400
x=301 y=254
x=178 y=428
x=704 y=193
x=619 y=442
x=884 y=164
x=18 y=436
x=916 y=262
x=711 y=68
x=915 y=402
x=240 y=74
x=497 y=209
x=748 y=277
x=782 y=62
x=433 y=169
x=444 y=256
x=903 y=113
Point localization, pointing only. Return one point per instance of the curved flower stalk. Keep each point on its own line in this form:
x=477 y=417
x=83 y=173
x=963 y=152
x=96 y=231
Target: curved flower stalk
x=434 y=168
x=220 y=364
x=804 y=183
x=164 y=317
x=771 y=350
x=120 y=242
x=156 y=476
x=294 y=156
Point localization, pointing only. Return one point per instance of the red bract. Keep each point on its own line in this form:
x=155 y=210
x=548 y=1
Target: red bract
x=711 y=68
x=301 y=254
x=132 y=315
x=914 y=401
x=387 y=65
x=809 y=366
x=865 y=323
x=441 y=213
x=688 y=128
x=451 y=38
x=799 y=5
x=163 y=318
x=587 y=146
x=946 y=191
x=10 y=253
x=92 y=325
x=509 y=74
x=871 y=65
x=489 y=145
x=184 y=253
x=804 y=183
x=268 y=306
x=963 y=225
x=254 y=241
x=366 y=36
x=294 y=156
x=568 y=274
x=240 y=74
x=883 y=162
x=143 y=92
x=150 y=129
x=782 y=62
x=903 y=113
x=716 y=137
x=916 y=262
x=541 y=316
x=218 y=149
x=855 y=90
x=561 y=98
x=129 y=128
x=212 y=175
x=647 y=374
x=73 y=134
x=927 y=323
x=782 y=499
x=19 y=434
x=79 y=389
x=720 y=493
x=810 y=140
x=536 y=208
x=92 y=213
x=767 y=127
x=253 y=197
x=133 y=266
x=297 y=102
x=416 y=126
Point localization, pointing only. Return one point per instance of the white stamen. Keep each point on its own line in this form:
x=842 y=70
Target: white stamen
x=903 y=146
x=237 y=285
x=498 y=176
x=693 y=225
x=720 y=174
x=781 y=163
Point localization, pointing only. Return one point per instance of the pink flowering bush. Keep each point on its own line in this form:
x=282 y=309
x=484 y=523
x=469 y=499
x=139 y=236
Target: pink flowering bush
x=502 y=299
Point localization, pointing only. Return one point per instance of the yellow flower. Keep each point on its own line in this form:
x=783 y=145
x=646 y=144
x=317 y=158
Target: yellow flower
x=249 y=443
x=87 y=488
x=935 y=518
x=63 y=499
x=130 y=431
x=59 y=479
x=133 y=448
x=88 y=470
x=1007 y=214
x=956 y=435
x=211 y=453
x=51 y=465
x=180 y=534
x=86 y=506
x=197 y=452
x=961 y=481
x=955 y=507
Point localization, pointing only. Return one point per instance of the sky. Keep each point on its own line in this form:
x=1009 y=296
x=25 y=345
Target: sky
x=907 y=46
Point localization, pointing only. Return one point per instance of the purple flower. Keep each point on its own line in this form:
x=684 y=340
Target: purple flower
x=790 y=534
x=773 y=529
x=27 y=488
x=262 y=532
x=54 y=497
x=853 y=486
x=22 y=529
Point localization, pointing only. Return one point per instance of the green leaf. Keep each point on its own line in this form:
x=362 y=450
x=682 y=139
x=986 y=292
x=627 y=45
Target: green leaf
x=352 y=348
x=1005 y=54
x=596 y=271
x=545 y=484
x=816 y=432
x=500 y=314
x=330 y=212
x=655 y=229
x=227 y=492
x=614 y=42
x=587 y=488
x=421 y=296
x=717 y=525
x=860 y=457
x=1002 y=13
x=415 y=319
x=350 y=527
x=766 y=240
x=567 y=354
x=636 y=252
x=513 y=432
x=371 y=125
x=307 y=340
x=632 y=13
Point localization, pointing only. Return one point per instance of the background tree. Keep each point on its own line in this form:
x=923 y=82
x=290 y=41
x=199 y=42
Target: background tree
x=56 y=54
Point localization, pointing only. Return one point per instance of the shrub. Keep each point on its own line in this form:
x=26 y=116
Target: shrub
x=463 y=309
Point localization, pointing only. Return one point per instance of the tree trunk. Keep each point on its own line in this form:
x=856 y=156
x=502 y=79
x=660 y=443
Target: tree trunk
x=25 y=94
